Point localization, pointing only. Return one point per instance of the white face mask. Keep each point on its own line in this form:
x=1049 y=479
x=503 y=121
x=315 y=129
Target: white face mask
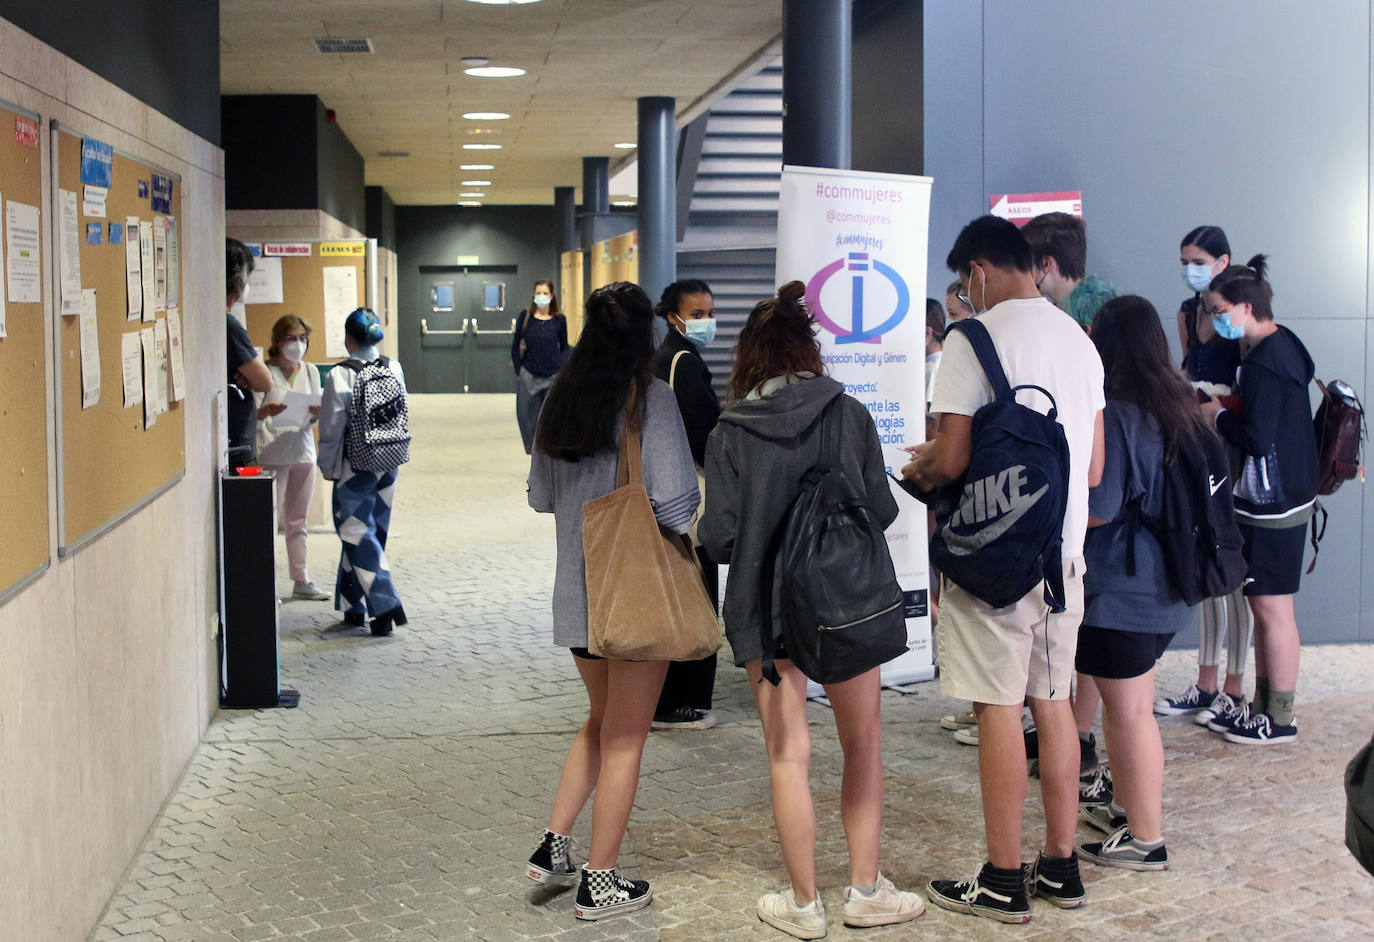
x=243 y=295
x=542 y=300
x=294 y=350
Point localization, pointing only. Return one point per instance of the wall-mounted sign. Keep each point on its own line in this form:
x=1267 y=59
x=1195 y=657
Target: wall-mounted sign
x=468 y=260
x=1021 y=208
x=336 y=249
x=301 y=249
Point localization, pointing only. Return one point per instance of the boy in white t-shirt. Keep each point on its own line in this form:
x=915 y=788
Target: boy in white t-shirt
x=999 y=658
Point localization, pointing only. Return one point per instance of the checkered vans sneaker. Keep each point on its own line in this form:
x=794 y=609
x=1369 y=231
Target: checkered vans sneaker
x=1096 y=787
x=1122 y=849
x=551 y=862
x=1105 y=818
x=1055 y=880
x=1261 y=730
x=602 y=893
x=1192 y=700
x=1226 y=712
x=954 y=721
x=988 y=894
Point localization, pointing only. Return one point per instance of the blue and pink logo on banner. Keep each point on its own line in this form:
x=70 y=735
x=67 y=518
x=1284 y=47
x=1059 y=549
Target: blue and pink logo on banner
x=859 y=264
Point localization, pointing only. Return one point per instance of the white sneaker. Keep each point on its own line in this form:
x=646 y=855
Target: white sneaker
x=968 y=735
x=308 y=590
x=781 y=911
x=958 y=721
x=887 y=906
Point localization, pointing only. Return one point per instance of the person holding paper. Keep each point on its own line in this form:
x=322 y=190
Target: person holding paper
x=289 y=449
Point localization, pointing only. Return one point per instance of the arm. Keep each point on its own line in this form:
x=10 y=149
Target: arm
x=875 y=475
x=1107 y=496
x=1099 y=455
x=515 y=341
x=334 y=406
x=563 y=335
x=716 y=528
x=670 y=476
x=1183 y=317
x=697 y=402
x=539 y=485
x=1256 y=428
x=946 y=458
x=254 y=375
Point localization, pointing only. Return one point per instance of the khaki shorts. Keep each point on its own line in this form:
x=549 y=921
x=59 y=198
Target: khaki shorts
x=1003 y=655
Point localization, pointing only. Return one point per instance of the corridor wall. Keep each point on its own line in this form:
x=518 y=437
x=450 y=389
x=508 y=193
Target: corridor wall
x=1260 y=123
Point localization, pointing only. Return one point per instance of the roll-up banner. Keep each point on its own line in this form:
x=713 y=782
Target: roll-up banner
x=858 y=242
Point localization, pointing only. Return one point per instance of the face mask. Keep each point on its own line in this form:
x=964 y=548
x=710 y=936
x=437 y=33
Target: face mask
x=294 y=350
x=983 y=285
x=243 y=295
x=700 y=332
x=1221 y=323
x=542 y=300
x=1197 y=276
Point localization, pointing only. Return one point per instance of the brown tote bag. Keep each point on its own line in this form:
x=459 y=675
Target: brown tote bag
x=645 y=597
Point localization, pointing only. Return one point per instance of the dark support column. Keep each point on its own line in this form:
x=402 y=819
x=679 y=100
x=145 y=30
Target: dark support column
x=657 y=195
x=565 y=209
x=816 y=77
x=596 y=187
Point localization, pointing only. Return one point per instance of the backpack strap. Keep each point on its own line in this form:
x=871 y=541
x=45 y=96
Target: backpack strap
x=352 y=363
x=830 y=434
x=672 y=370
x=981 y=341
x=1317 y=535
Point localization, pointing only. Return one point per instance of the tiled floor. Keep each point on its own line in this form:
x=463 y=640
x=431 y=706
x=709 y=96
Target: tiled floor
x=400 y=800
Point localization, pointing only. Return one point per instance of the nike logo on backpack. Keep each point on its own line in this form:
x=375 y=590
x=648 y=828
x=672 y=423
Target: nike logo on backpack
x=1215 y=484
x=981 y=500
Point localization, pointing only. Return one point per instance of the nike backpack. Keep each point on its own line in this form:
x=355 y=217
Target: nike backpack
x=1196 y=526
x=999 y=530
x=378 y=433
x=828 y=590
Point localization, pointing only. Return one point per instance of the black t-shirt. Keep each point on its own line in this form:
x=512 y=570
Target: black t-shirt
x=242 y=414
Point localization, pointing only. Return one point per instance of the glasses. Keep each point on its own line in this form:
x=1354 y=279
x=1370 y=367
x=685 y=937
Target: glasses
x=963 y=298
x=1217 y=312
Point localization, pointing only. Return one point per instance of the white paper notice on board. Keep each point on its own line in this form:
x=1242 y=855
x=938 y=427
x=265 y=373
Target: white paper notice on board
x=69 y=252
x=160 y=262
x=133 y=276
x=160 y=342
x=178 y=363
x=264 y=285
x=173 y=263
x=340 y=300
x=3 y=330
x=90 y=351
x=25 y=275
x=93 y=200
x=148 y=340
x=131 y=359
x=145 y=261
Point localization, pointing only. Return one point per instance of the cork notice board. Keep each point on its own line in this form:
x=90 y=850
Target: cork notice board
x=572 y=299
x=302 y=284
x=23 y=376
x=109 y=464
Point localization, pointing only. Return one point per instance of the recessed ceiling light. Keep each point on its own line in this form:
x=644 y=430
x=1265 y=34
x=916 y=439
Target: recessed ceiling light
x=481 y=147
x=486 y=116
x=626 y=145
x=478 y=167
x=624 y=203
x=476 y=183
x=472 y=194
x=468 y=203
x=495 y=71
x=472 y=61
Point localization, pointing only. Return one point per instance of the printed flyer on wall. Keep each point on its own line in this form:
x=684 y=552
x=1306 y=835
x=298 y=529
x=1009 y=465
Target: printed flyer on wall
x=858 y=241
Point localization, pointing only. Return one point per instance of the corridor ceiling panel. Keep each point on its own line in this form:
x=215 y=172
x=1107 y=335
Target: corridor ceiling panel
x=585 y=61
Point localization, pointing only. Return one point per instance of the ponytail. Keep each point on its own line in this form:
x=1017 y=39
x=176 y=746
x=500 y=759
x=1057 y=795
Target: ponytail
x=1247 y=284
x=778 y=339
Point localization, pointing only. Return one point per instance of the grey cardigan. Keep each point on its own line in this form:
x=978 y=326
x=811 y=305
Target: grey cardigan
x=754 y=458
x=562 y=487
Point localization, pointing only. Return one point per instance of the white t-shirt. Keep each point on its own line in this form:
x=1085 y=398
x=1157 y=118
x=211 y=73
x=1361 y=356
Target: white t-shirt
x=932 y=367
x=1039 y=345
x=279 y=447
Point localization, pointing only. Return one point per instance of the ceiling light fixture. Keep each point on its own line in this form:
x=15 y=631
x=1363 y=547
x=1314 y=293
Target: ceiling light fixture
x=478 y=167
x=479 y=195
x=625 y=145
x=475 y=61
x=624 y=203
x=468 y=203
x=495 y=71
x=486 y=116
x=476 y=183
x=481 y=147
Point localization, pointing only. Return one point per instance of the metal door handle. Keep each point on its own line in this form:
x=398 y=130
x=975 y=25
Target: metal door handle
x=475 y=329
x=426 y=332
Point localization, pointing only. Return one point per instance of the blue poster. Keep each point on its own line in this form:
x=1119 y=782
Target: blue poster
x=97 y=162
x=143 y=189
x=116 y=233
x=94 y=230
x=162 y=194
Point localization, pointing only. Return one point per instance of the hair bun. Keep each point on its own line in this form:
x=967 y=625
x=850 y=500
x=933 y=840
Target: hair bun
x=792 y=292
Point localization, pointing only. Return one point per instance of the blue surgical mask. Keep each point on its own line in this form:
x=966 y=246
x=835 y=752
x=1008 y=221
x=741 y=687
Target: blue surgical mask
x=1197 y=276
x=701 y=331
x=1221 y=323
x=542 y=300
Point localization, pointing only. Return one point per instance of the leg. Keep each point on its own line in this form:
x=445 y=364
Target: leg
x=295 y=507
x=631 y=691
x=1086 y=700
x=787 y=737
x=1211 y=630
x=1238 y=630
x=1002 y=776
x=583 y=764
x=367 y=532
x=1135 y=751
x=858 y=719
x=525 y=414
x=348 y=500
x=1059 y=761
x=1277 y=645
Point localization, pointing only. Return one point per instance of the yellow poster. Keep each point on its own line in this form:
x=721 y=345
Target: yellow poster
x=343 y=248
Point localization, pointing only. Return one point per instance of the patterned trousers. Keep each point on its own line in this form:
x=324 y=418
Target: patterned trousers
x=362 y=515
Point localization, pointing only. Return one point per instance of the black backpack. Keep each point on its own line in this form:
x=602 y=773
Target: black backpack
x=828 y=591
x=999 y=530
x=1196 y=525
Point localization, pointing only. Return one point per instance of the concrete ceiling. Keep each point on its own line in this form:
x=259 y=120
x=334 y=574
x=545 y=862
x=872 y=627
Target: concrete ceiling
x=586 y=62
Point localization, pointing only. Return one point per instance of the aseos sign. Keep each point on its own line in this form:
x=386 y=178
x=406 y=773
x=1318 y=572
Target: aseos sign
x=1021 y=208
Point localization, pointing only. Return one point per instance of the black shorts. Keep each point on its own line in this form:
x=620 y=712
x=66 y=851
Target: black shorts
x=1274 y=558
x=1118 y=655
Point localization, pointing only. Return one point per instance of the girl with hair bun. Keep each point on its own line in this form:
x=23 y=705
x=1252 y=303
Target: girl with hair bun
x=362 y=499
x=767 y=438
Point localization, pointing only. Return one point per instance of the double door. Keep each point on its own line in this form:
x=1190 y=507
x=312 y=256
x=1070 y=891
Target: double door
x=467 y=324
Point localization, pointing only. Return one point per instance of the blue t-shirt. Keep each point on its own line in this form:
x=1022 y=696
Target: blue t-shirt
x=1134 y=472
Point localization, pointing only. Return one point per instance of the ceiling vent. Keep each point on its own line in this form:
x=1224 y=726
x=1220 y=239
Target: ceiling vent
x=332 y=44
x=393 y=153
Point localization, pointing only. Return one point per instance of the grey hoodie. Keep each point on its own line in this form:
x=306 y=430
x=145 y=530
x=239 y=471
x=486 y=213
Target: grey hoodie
x=755 y=457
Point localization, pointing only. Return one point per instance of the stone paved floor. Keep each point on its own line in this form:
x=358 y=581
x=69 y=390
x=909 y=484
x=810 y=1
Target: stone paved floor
x=400 y=800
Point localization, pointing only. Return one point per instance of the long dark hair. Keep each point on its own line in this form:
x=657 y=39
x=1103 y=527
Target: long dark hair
x=1247 y=284
x=779 y=338
x=614 y=353
x=1136 y=363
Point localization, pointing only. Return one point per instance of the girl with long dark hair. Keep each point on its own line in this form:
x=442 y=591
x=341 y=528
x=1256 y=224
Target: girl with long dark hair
x=1129 y=619
x=537 y=351
x=576 y=455
x=767 y=438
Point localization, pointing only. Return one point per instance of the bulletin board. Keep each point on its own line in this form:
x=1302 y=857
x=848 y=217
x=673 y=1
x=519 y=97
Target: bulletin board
x=109 y=464
x=573 y=297
x=303 y=294
x=615 y=259
x=23 y=376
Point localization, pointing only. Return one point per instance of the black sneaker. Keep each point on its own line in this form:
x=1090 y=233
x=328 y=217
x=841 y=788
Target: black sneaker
x=992 y=894
x=684 y=717
x=602 y=893
x=1105 y=818
x=1055 y=880
x=1261 y=730
x=1096 y=789
x=1190 y=701
x=1087 y=755
x=551 y=863
x=1122 y=849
